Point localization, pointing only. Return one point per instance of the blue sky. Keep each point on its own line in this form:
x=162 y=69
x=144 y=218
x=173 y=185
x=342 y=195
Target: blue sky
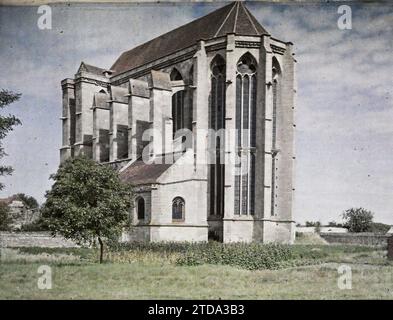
x=344 y=134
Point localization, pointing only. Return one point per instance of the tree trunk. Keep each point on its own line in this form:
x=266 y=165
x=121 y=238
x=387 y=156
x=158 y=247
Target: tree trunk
x=101 y=249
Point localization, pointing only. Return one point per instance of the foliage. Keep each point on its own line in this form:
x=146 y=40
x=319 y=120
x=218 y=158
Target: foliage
x=335 y=224
x=358 y=219
x=38 y=225
x=312 y=223
x=7 y=124
x=251 y=256
x=5 y=218
x=378 y=227
x=87 y=202
x=247 y=256
x=28 y=201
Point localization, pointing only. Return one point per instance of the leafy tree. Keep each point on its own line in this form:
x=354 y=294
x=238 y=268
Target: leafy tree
x=7 y=124
x=5 y=218
x=358 y=219
x=87 y=201
x=312 y=223
x=28 y=201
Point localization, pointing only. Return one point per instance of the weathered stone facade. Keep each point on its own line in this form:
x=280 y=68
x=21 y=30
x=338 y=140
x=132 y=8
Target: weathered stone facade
x=222 y=72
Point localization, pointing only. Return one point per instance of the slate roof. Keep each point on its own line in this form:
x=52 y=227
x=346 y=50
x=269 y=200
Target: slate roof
x=141 y=173
x=232 y=18
x=91 y=69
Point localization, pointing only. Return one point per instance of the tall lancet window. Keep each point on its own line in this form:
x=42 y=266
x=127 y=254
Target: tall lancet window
x=217 y=122
x=246 y=84
x=276 y=77
x=177 y=103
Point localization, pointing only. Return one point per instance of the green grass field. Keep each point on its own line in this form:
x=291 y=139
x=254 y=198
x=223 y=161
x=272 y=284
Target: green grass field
x=139 y=274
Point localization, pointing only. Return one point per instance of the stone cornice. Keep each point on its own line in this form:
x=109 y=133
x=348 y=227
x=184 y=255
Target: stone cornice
x=92 y=81
x=247 y=44
x=277 y=49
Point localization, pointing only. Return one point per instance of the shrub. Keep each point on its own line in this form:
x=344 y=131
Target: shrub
x=247 y=256
x=38 y=225
x=251 y=256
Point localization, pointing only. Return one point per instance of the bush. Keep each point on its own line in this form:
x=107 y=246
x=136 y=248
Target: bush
x=250 y=256
x=247 y=256
x=38 y=225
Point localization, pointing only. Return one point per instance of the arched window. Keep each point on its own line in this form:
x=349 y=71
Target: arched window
x=246 y=84
x=276 y=76
x=217 y=122
x=140 y=208
x=177 y=111
x=178 y=209
x=177 y=104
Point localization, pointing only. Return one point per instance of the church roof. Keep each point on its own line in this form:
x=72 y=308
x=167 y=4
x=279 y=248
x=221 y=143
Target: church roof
x=91 y=69
x=232 y=18
x=141 y=173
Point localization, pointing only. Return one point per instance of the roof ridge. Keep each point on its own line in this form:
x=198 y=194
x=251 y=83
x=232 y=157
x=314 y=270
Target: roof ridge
x=237 y=14
x=233 y=18
x=249 y=18
x=179 y=27
x=226 y=18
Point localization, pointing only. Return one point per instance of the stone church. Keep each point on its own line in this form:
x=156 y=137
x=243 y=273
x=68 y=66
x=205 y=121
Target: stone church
x=200 y=120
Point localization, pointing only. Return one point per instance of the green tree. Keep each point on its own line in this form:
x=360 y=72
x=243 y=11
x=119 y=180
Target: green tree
x=7 y=124
x=5 y=218
x=87 y=201
x=28 y=201
x=358 y=219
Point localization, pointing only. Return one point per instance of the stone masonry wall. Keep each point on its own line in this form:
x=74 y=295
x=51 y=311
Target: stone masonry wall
x=33 y=239
x=368 y=239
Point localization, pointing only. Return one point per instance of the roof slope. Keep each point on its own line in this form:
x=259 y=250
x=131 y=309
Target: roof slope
x=91 y=69
x=232 y=18
x=140 y=173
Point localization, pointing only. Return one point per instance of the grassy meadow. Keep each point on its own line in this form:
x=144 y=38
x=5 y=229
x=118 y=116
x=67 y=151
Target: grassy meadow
x=308 y=271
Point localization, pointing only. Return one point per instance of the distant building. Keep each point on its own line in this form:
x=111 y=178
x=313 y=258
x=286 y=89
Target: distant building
x=223 y=71
x=20 y=214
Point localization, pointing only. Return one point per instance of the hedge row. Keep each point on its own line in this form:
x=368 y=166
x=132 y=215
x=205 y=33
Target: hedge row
x=251 y=256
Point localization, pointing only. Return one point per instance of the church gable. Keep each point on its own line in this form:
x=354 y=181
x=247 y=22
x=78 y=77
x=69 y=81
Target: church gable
x=84 y=67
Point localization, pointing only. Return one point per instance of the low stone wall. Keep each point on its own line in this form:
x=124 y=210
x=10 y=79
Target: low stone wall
x=33 y=239
x=367 y=239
